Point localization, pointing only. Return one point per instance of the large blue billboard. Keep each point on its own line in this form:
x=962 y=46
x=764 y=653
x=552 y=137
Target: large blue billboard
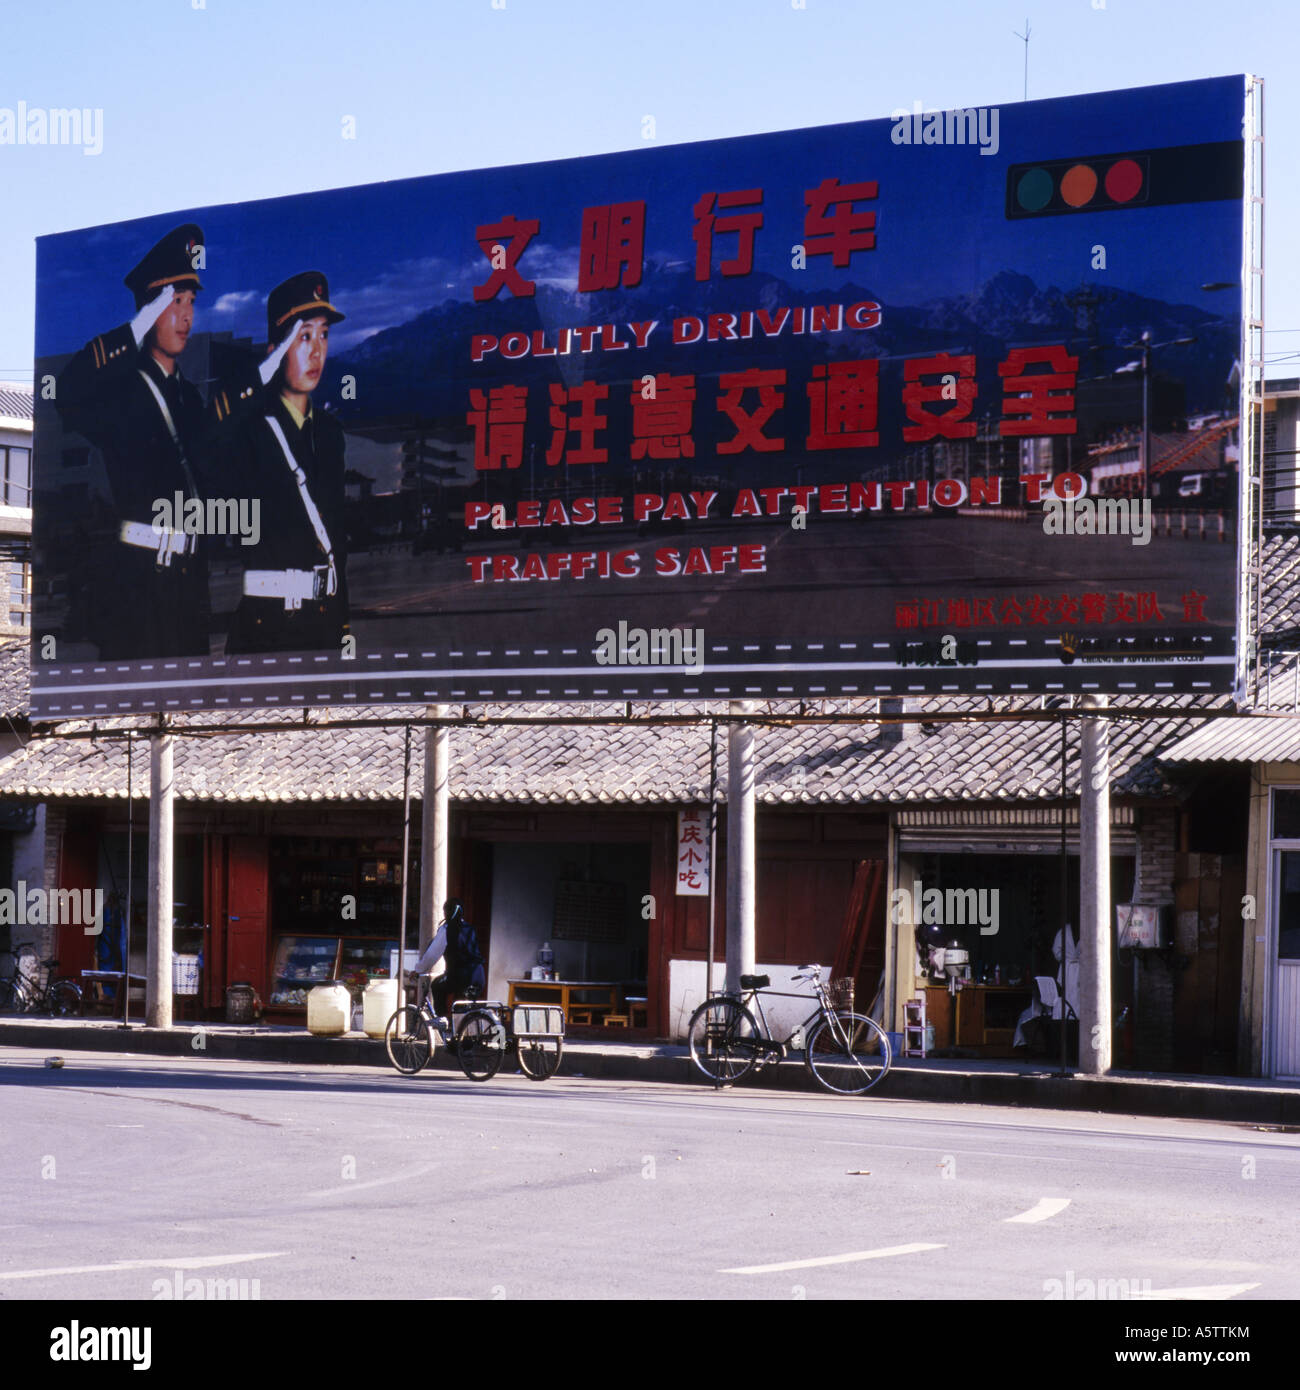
x=945 y=401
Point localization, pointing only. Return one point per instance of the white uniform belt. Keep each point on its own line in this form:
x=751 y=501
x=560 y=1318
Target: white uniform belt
x=291 y=585
x=159 y=539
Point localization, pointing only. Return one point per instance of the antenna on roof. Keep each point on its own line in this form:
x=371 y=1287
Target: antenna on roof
x=1025 y=37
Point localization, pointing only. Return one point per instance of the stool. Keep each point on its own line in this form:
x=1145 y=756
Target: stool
x=615 y=1021
x=639 y=1012
x=581 y=1017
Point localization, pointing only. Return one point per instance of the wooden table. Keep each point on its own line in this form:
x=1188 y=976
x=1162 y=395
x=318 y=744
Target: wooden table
x=563 y=992
x=101 y=977
x=986 y=1016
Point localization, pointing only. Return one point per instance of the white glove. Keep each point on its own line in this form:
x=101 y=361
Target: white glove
x=151 y=313
x=271 y=363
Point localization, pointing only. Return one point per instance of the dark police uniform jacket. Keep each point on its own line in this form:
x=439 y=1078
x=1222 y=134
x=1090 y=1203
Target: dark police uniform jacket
x=138 y=607
x=288 y=541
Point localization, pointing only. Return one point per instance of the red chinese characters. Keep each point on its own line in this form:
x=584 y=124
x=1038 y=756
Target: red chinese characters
x=497 y=418
x=840 y=232
x=843 y=404
x=661 y=423
x=585 y=424
x=957 y=384
x=709 y=223
x=503 y=243
x=1044 y=399
x=613 y=246
x=770 y=385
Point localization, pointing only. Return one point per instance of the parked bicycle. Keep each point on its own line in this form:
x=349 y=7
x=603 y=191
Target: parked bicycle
x=41 y=991
x=484 y=1035
x=845 y=1052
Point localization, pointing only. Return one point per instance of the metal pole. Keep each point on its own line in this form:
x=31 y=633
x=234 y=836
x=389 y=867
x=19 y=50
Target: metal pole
x=1065 y=885
x=1094 y=892
x=130 y=857
x=713 y=850
x=1146 y=415
x=406 y=860
x=158 y=973
x=435 y=832
x=740 y=847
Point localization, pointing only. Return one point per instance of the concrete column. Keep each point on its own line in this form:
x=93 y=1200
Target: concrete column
x=1094 y=892
x=158 y=972
x=435 y=831
x=741 y=897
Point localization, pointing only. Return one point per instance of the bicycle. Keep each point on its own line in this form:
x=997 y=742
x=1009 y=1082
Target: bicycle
x=485 y=1034
x=23 y=993
x=845 y=1052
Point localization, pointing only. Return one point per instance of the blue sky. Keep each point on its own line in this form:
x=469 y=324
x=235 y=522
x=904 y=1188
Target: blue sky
x=236 y=101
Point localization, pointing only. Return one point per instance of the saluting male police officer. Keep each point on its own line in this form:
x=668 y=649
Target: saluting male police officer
x=291 y=456
x=125 y=393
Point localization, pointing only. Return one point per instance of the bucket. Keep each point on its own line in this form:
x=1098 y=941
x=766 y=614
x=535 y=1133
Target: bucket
x=240 y=1002
x=329 y=1010
x=378 y=1005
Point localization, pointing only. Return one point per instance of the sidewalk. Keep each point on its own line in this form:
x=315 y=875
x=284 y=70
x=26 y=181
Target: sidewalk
x=1238 y=1099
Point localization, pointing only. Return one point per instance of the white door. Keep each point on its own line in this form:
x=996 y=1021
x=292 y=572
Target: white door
x=1286 y=966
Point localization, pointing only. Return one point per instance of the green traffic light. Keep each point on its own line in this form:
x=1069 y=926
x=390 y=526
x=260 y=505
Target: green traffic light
x=1034 y=191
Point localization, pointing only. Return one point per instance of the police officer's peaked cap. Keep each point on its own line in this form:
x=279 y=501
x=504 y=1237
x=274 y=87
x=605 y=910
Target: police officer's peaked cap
x=170 y=262
x=301 y=296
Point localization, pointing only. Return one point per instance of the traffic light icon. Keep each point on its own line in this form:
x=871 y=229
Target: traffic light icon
x=1135 y=178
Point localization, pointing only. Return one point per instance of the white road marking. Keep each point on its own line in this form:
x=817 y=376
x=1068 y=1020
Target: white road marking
x=1042 y=1209
x=375 y=1182
x=1213 y=1291
x=882 y=1254
x=170 y=1262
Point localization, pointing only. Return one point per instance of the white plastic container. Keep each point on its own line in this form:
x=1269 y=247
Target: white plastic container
x=329 y=1010
x=379 y=1004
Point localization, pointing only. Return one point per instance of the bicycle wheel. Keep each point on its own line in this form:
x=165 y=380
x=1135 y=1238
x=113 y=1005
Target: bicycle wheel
x=847 y=1053
x=481 y=1044
x=11 y=1001
x=65 y=999
x=408 y=1039
x=723 y=1038
x=539 y=1058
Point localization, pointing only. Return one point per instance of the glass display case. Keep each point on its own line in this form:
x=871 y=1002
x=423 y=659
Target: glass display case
x=362 y=959
x=300 y=963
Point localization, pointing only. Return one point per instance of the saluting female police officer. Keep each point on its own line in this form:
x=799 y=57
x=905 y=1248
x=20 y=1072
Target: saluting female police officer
x=291 y=456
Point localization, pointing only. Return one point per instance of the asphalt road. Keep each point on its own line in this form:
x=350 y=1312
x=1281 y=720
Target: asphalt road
x=124 y=1170
x=864 y=566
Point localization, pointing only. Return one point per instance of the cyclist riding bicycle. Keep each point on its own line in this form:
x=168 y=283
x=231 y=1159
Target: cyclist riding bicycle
x=458 y=941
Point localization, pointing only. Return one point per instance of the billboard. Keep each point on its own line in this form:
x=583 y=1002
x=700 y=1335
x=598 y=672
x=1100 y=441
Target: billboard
x=945 y=401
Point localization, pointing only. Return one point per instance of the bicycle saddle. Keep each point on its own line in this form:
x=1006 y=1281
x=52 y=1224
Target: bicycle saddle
x=755 y=981
x=50 y=963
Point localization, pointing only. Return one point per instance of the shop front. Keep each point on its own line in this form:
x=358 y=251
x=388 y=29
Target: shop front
x=977 y=906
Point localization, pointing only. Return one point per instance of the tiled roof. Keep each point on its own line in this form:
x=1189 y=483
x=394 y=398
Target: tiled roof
x=1280 y=598
x=1239 y=741
x=15 y=664
x=16 y=401
x=844 y=765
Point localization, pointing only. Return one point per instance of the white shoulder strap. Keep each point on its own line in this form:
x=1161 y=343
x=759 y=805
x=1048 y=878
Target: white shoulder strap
x=171 y=427
x=313 y=514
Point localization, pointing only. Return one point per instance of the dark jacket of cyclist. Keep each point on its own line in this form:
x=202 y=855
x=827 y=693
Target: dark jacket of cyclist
x=458 y=941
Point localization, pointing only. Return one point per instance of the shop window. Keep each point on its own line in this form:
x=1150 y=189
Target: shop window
x=1286 y=814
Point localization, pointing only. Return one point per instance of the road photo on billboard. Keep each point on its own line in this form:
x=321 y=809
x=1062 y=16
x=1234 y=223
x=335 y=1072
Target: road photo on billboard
x=943 y=401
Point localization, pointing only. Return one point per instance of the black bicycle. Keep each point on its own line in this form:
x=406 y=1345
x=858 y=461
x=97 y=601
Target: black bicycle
x=845 y=1052
x=39 y=990
x=481 y=1039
